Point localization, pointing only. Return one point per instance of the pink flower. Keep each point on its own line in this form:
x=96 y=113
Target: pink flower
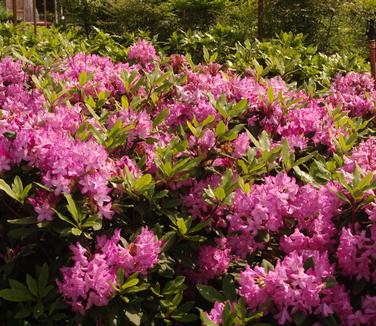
x=194 y=201
x=142 y=51
x=290 y=286
x=265 y=206
x=207 y=140
x=212 y=262
x=241 y=145
x=144 y=253
x=356 y=253
x=87 y=283
x=364 y=155
x=215 y=315
x=356 y=92
x=252 y=286
x=91 y=282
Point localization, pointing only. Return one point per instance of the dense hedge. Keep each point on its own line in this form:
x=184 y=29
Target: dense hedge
x=153 y=191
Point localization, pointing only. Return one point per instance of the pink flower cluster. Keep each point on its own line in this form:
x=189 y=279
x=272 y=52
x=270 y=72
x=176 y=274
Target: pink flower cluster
x=101 y=75
x=142 y=51
x=291 y=286
x=212 y=262
x=215 y=315
x=357 y=249
x=45 y=140
x=91 y=281
x=278 y=202
x=364 y=155
x=355 y=92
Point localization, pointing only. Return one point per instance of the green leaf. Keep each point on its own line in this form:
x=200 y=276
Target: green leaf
x=256 y=315
x=14 y=295
x=330 y=282
x=120 y=275
x=220 y=130
x=341 y=196
x=205 y=320
x=178 y=297
x=213 y=57
x=305 y=159
x=134 y=318
x=168 y=240
x=125 y=102
x=16 y=285
x=229 y=288
x=343 y=182
x=357 y=174
x=32 y=285
x=306 y=177
x=23 y=221
x=364 y=182
x=200 y=226
x=38 y=310
x=83 y=78
x=253 y=139
x=184 y=317
x=24 y=313
x=26 y=191
x=208 y=120
x=42 y=278
x=17 y=185
x=72 y=208
x=241 y=308
x=268 y=266
x=10 y=134
x=210 y=293
x=206 y=54
x=181 y=225
x=64 y=218
x=138 y=288
x=309 y=263
x=94 y=222
x=239 y=108
x=192 y=129
x=7 y=189
x=143 y=181
x=174 y=286
x=299 y=318
x=46 y=291
x=129 y=283
x=161 y=117
x=77 y=232
x=264 y=141
x=220 y=193
x=270 y=95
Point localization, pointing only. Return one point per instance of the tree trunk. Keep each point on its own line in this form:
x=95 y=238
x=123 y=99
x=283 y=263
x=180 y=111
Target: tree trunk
x=260 y=31
x=14 y=5
x=28 y=11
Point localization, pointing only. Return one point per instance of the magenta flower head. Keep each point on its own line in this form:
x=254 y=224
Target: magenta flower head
x=213 y=262
x=241 y=145
x=144 y=252
x=252 y=286
x=215 y=315
x=88 y=282
x=355 y=92
x=142 y=52
x=92 y=281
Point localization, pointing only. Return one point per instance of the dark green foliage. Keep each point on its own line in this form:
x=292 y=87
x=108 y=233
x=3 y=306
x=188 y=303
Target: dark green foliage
x=333 y=25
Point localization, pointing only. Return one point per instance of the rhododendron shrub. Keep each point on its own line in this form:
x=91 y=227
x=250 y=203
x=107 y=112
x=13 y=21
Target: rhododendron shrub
x=154 y=191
